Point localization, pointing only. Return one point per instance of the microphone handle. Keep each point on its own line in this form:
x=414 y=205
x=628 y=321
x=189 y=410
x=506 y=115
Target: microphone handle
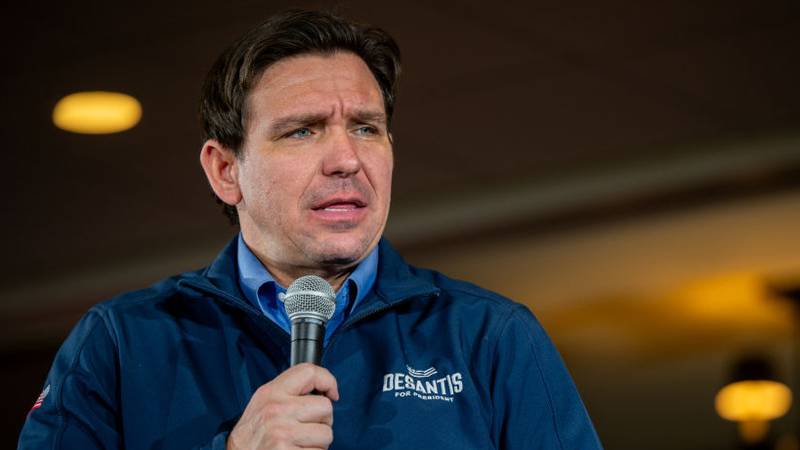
x=307 y=338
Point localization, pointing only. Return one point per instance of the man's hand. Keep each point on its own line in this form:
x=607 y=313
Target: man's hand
x=281 y=416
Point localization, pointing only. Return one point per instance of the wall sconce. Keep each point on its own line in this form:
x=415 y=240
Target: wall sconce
x=753 y=398
x=97 y=112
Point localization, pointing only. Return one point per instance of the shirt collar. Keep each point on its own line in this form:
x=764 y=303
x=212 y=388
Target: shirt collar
x=252 y=274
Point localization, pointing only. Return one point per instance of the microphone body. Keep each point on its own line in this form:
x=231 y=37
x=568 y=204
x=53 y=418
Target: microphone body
x=310 y=303
x=307 y=338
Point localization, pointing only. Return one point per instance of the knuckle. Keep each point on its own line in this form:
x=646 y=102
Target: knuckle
x=308 y=369
x=326 y=404
x=296 y=435
x=281 y=434
x=272 y=410
x=327 y=435
x=264 y=391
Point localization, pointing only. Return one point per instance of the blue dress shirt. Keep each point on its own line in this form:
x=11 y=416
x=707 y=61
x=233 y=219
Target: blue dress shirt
x=262 y=290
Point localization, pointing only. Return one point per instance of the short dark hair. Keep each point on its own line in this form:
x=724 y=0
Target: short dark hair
x=223 y=101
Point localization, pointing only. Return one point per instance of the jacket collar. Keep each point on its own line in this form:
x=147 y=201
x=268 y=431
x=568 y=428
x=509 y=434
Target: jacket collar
x=396 y=281
x=223 y=271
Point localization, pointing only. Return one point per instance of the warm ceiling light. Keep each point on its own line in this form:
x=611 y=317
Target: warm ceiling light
x=753 y=400
x=97 y=112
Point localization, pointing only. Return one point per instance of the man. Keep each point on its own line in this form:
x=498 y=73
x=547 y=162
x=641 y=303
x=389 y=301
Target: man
x=297 y=118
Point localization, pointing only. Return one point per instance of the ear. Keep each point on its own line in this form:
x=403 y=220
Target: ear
x=222 y=170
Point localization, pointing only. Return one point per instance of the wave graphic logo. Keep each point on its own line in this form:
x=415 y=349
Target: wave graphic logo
x=421 y=373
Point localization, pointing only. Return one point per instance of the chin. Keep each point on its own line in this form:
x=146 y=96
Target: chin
x=343 y=253
x=339 y=262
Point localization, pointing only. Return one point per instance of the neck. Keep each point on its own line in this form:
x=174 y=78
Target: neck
x=285 y=271
x=285 y=274
x=286 y=277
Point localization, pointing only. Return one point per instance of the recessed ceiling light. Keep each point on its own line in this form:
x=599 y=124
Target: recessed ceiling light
x=97 y=112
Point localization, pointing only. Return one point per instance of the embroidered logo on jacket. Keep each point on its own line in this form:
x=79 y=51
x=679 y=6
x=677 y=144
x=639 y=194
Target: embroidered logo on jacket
x=426 y=384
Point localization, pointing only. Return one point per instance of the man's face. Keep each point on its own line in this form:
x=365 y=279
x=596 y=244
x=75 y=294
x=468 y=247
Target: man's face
x=316 y=169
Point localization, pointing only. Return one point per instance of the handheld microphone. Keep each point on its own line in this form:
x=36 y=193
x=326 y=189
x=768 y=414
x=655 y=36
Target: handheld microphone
x=310 y=303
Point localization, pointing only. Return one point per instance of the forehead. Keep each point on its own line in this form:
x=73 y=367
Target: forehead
x=339 y=81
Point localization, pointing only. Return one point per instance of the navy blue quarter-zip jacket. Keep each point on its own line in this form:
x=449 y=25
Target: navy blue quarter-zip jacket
x=423 y=362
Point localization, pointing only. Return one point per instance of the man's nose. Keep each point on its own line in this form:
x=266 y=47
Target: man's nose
x=341 y=158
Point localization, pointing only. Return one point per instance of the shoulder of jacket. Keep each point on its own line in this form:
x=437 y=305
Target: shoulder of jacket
x=465 y=291
x=145 y=298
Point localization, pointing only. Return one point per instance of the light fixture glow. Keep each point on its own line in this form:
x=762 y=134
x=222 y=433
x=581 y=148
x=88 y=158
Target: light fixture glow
x=97 y=112
x=753 y=400
x=753 y=432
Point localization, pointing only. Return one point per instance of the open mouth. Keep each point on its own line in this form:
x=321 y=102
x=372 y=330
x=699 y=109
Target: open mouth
x=340 y=205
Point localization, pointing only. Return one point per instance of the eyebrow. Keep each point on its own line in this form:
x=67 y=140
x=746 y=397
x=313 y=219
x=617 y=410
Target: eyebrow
x=297 y=120
x=370 y=116
x=287 y=123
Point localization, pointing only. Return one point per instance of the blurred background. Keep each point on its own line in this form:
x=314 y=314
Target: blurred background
x=629 y=170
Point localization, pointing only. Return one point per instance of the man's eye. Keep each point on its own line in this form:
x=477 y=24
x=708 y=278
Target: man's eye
x=367 y=130
x=300 y=133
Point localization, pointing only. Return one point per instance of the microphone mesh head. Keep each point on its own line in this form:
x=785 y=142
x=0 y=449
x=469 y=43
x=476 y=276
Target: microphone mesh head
x=311 y=297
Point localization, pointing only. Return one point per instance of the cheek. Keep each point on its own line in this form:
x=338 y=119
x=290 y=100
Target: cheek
x=381 y=177
x=261 y=189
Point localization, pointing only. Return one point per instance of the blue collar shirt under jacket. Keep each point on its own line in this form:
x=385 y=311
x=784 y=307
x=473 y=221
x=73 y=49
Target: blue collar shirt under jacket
x=263 y=291
x=422 y=362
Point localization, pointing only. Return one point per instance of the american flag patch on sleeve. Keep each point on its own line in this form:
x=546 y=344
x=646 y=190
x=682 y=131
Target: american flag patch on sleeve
x=41 y=398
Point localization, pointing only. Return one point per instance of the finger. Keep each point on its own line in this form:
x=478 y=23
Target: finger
x=314 y=409
x=315 y=435
x=305 y=378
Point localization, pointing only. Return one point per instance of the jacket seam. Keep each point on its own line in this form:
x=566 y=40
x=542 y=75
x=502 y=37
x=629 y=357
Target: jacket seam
x=550 y=402
x=59 y=410
x=503 y=325
x=60 y=398
x=481 y=294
